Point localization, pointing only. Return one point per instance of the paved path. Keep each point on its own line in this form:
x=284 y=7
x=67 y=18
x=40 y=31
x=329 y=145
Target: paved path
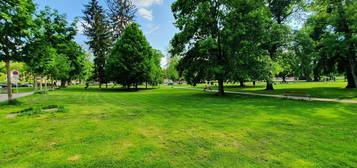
x=282 y=96
x=3 y=97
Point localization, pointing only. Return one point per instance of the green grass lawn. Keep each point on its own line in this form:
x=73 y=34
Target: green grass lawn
x=175 y=128
x=335 y=90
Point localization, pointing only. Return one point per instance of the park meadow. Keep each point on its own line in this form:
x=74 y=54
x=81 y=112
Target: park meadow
x=178 y=84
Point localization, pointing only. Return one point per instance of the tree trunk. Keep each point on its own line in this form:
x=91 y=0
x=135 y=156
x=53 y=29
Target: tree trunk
x=269 y=85
x=350 y=82
x=284 y=79
x=41 y=84
x=46 y=84
x=136 y=86
x=220 y=88
x=9 y=84
x=353 y=70
x=100 y=85
x=35 y=82
x=241 y=83
x=146 y=85
x=63 y=83
x=254 y=83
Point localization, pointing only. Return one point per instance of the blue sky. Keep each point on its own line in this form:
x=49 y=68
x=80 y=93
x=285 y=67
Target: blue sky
x=154 y=17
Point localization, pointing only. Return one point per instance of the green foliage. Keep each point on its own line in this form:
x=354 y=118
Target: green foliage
x=221 y=40
x=156 y=72
x=305 y=50
x=334 y=28
x=245 y=30
x=52 y=51
x=120 y=13
x=131 y=58
x=171 y=70
x=15 y=24
x=96 y=28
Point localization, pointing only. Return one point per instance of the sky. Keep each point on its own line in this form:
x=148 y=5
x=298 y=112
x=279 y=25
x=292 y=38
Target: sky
x=154 y=17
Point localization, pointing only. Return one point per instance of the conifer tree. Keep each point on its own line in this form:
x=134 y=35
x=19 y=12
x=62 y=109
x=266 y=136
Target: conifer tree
x=96 y=28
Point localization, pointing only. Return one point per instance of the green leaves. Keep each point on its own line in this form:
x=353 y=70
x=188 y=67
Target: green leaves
x=132 y=60
x=15 y=23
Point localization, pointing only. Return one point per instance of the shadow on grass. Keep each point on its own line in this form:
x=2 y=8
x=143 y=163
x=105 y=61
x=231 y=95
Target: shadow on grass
x=14 y=102
x=105 y=90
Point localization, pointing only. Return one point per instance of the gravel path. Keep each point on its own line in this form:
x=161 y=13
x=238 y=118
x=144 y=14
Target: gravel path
x=3 y=97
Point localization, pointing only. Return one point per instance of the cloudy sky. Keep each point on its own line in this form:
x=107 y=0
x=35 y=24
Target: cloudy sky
x=154 y=17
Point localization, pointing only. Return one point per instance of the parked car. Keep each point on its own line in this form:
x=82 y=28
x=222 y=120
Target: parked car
x=3 y=85
x=26 y=85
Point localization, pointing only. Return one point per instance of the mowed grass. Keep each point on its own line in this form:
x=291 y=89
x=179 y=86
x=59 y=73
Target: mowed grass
x=334 y=90
x=176 y=128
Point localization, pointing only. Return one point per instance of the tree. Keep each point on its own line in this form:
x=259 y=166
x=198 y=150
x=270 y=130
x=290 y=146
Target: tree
x=337 y=32
x=171 y=70
x=53 y=38
x=199 y=41
x=304 y=47
x=156 y=72
x=121 y=13
x=220 y=40
x=96 y=28
x=130 y=60
x=280 y=10
x=15 y=23
x=245 y=30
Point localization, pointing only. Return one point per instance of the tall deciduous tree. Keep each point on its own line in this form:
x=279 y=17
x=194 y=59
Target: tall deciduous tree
x=245 y=30
x=96 y=28
x=52 y=38
x=339 y=29
x=121 y=13
x=129 y=63
x=199 y=41
x=280 y=10
x=15 y=23
x=304 y=47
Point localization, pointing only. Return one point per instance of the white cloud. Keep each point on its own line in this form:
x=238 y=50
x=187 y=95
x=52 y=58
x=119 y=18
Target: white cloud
x=147 y=3
x=152 y=28
x=147 y=14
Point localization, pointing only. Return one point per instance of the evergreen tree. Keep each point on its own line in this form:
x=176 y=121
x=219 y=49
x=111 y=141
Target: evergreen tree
x=121 y=13
x=96 y=28
x=129 y=63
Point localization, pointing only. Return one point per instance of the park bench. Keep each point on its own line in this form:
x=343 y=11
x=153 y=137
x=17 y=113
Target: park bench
x=299 y=94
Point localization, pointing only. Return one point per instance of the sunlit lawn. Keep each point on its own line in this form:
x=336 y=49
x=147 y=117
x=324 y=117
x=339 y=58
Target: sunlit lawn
x=334 y=90
x=176 y=128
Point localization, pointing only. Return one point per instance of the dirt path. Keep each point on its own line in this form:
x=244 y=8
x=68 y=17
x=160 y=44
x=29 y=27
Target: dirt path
x=283 y=97
x=3 y=97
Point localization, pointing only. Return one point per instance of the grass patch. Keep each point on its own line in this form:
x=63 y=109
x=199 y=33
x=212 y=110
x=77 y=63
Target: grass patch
x=177 y=128
x=50 y=109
